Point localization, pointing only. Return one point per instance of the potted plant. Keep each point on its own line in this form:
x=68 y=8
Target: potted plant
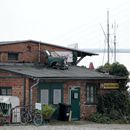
x=48 y=111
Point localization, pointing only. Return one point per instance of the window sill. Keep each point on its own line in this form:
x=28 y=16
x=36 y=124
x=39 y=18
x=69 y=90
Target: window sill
x=94 y=104
x=91 y=105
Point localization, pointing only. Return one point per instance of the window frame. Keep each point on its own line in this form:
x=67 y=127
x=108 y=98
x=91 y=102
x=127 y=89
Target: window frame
x=50 y=87
x=46 y=100
x=92 y=94
x=7 y=89
x=13 y=56
x=54 y=98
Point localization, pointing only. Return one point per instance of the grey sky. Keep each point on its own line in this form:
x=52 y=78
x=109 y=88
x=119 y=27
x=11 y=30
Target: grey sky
x=64 y=22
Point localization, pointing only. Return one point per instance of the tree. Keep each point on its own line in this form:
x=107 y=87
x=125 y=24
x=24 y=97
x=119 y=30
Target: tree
x=115 y=104
x=104 y=69
x=116 y=69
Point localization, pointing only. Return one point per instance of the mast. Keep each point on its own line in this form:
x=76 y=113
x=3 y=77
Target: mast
x=115 y=26
x=108 y=46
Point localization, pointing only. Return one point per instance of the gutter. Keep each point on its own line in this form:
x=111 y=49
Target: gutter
x=82 y=78
x=39 y=52
x=34 y=85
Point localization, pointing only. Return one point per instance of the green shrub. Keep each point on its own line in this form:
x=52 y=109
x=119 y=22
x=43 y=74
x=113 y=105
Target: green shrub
x=114 y=105
x=94 y=117
x=116 y=100
x=1 y=114
x=129 y=107
x=115 y=115
x=100 y=118
x=2 y=120
x=48 y=111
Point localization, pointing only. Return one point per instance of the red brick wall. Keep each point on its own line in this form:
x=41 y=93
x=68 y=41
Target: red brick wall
x=85 y=110
x=17 y=89
x=34 y=92
x=27 y=82
x=5 y=73
x=28 y=52
x=16 y=84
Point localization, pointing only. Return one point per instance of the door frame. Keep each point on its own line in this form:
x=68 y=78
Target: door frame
x=50 y=86
x=70 y=100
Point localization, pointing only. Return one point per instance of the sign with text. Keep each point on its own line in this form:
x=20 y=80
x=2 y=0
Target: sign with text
x=110 y=85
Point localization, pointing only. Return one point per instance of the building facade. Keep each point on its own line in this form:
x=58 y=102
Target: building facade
x=30 y=73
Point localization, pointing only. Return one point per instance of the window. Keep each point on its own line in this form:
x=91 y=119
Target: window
x=50 y=93
x=56 y=96
x=44 y=96
x=12 y=56
x=6 y=91
x=91 y=94
x=47 y=97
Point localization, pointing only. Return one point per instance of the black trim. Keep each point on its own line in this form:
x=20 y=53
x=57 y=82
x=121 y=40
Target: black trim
x=6 y=88
x=95 y=87
x=13 y=56
x=11 y=77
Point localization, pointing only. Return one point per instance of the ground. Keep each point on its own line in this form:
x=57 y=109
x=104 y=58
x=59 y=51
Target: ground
x=69 y=126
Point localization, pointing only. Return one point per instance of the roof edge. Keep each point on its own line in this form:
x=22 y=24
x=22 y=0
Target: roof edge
x=50 y=44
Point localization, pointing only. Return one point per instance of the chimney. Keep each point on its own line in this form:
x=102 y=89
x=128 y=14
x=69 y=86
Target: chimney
x=91 y=66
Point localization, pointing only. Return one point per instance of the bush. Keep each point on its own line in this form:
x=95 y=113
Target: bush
x=2 y=120
x=1 y=114
x=114 y=105
x=129 y=107
x=116 y=101
x=115 y=115
x=48 y=111
x=100 y=118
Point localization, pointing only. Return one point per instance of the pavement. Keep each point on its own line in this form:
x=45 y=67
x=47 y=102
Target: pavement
x=68 y=126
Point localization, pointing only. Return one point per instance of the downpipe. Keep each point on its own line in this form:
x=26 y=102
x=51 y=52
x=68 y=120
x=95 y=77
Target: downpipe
x=37 y=82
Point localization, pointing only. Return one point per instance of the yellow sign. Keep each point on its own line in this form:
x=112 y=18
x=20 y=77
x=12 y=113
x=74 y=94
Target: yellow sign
x=110 y=85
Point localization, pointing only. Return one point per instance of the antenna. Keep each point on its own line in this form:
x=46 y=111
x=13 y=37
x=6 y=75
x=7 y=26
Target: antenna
x=103 y=32
x=104 y=42
x=115 y=26
x=108 y=46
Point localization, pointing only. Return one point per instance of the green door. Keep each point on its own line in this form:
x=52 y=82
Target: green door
x=75 y=103
x=51 y=93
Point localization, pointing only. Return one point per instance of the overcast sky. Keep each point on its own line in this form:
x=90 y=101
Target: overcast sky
x=65 y=22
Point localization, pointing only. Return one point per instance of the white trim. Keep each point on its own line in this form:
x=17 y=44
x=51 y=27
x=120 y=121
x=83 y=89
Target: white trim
x=70 y=89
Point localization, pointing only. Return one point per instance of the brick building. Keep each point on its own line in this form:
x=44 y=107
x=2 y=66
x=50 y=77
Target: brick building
x=25 y=72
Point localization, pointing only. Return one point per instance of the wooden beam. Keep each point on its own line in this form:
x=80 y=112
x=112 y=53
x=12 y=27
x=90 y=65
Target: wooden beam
x=79 y=59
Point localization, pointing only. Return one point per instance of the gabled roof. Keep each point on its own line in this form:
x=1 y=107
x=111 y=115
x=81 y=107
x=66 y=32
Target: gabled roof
x=73 y=72
x=80 y=52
